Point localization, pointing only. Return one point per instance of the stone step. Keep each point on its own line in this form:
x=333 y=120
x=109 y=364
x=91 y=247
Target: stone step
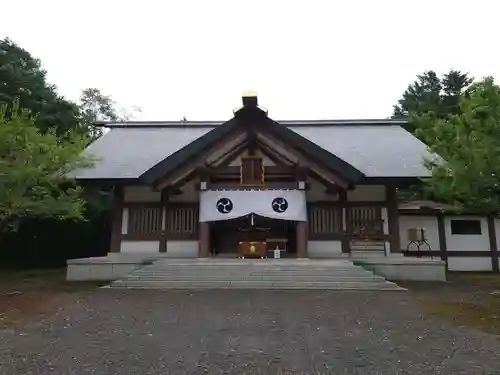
x=255 y=285
x=251 y=269
x=311 y=278
x=243 y=274
x=269 y=265
x=252 y=272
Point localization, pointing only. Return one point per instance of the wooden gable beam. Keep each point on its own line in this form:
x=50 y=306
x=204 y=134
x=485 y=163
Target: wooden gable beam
x=327 y=174
x=273 y=155
x=200 y=159
x=225 y=159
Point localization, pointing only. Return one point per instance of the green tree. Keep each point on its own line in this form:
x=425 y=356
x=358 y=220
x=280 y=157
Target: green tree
x=432 y=94
x=93 y=107
x=22 y=78
x=34 y=166
x=469 y=144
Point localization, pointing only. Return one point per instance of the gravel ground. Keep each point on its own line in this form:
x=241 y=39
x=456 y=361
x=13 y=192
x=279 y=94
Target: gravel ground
x=130 y=332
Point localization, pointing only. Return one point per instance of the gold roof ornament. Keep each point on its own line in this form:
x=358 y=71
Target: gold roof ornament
x=249 y=94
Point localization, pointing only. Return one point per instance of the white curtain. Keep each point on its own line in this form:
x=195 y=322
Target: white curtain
x=275 y=204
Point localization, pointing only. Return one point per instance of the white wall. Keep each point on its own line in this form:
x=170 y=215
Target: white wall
x=324 y=249
x=470 y=242
x=469 y=264
x=140 y=246
x=430 y=223
x=182 y=249
x=125 y=221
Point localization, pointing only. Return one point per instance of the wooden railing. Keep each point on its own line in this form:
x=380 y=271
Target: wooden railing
x=366 y=221
x=181 y=221
x=324 y=220
x=144 y=220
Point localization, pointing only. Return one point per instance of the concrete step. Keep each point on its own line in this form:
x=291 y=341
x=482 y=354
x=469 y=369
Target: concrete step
x=238 y=274
x=271 y=277
x=248 y=274
x=256 y=285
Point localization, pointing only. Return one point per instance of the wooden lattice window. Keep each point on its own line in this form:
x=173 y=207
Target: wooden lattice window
x=252 y=171
x=366 y=221
x=324 y=219
x=144 y=220
x=181 y=221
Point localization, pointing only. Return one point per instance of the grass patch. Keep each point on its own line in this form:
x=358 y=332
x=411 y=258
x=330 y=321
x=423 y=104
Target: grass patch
x=467 y=299
x=26 y=295
x=483 y=316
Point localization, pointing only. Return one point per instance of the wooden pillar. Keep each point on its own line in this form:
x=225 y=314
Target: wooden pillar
x=117 y=216
x=204 y=240
x=204 y=227
x=345 y=222
x=301 y=233
x=393 y=219
x=493 y=243
x=163 y=238
x=442 y=239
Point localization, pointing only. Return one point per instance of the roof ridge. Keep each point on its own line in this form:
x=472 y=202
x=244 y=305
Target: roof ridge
x=211 y=124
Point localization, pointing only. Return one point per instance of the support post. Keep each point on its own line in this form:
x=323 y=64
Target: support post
x=493 y=243
x=116 y=224
x=393 y=219
x=344 y=220
x=301 y=233
x=163 y=239
x=204 y=240
x=442 y=239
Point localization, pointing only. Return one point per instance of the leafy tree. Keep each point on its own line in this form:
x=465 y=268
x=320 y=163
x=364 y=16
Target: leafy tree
x=33 y=170
x=430 y=93
x=95 y=107
x=469 y=143
x=22 y=78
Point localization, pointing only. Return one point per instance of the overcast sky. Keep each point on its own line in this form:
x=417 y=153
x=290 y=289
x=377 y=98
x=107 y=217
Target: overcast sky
x=305 y=59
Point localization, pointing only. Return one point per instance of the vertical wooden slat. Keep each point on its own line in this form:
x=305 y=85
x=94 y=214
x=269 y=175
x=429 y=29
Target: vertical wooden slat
x=442 y=239
x=116 y=225
x=493 y=244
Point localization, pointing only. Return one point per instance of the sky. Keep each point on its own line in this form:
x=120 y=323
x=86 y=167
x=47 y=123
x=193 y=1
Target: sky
x=309 y=59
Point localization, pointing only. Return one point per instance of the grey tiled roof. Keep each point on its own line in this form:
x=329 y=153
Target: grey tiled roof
x=375 y=150
x=378 y=148
x=128 y=153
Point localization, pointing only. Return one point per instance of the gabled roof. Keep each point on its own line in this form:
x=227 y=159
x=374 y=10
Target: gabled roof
x=357 y=148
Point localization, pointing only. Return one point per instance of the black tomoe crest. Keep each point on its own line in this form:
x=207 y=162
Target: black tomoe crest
x=224 y=205
x=279 y=205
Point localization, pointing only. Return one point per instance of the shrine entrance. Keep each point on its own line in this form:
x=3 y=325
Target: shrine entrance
x=253 y=236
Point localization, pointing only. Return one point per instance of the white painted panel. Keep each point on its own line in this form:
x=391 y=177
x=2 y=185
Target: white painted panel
x=140 y=246
x=367 y=193
x=430 y=223
x=385 y=218
x=469 y=264
x=469 y=242
x=125 y=221
x=387 y=245
x=141 y=194
x=182 y=249
x=324 y=249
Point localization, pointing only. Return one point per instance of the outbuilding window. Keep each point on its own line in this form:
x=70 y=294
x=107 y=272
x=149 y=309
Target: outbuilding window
x=466 y=227
x=252 y=171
